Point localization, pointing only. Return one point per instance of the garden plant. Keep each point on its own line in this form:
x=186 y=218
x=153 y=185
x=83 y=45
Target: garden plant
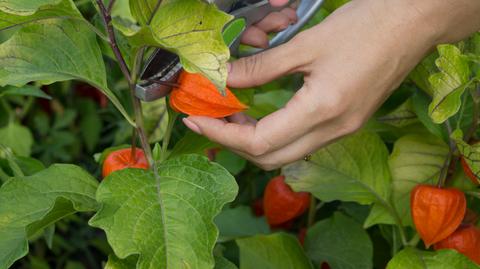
x=93 y=177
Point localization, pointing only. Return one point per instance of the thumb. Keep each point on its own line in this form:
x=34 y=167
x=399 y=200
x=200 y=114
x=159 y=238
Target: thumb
x=263 y=67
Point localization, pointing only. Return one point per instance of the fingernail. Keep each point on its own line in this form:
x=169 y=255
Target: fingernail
x=229 y=67
x=192 y=126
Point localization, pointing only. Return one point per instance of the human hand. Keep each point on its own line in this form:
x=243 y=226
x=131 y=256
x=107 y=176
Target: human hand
x=257 y=35
x=352 y=62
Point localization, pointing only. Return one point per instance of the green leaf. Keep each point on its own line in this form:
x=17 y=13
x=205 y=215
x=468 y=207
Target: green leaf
x=222 y=263
x=231 y=161
x=115 y=263
x=416 y=159
x=449 y=84
x=353 y=169
x=276 y=251
x=423 y=71
x=470 y=153
x=341 y=242
x=239 y=222
x=55 y=50
x=420 y=103
x=24 y=7
x=191 y=29
x=170 y=224
x=18 y=138
x=142 y=11
x=30 y=204
x=401 y=116
x=26 y=90
x=444 y=259
x=64 y=9
x=90 y=123
x=156 y=119
x=191 y=143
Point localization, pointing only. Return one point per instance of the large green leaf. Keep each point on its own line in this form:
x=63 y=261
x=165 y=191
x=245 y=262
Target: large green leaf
x=168 y=224
x=142 y=11
x=341 y=242
x=24 y=7
x=401 y=116
x=115 y=263
x=240 y=222
x=18 y=138
x=276 y=251
x=64 y=9
x=191 y=143
x=444 y=259
x=30 y=204
x=449 y=84
x=415 y=159
x=193 y=30
x=353 y=169
x=55 y=50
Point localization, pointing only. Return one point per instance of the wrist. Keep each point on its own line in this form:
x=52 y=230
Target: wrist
x=444 y=21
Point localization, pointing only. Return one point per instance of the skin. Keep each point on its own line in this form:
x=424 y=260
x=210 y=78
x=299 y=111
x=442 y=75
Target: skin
x=351 y=62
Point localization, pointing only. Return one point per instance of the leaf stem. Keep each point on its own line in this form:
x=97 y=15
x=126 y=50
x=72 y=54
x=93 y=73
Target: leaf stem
x=107 y=19
x=446 y=165
x=110 y=6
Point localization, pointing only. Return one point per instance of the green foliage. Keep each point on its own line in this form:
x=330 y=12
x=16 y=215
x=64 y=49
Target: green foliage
x=18 y=138
x=354 y=169
x=340 y=241
x=443 y=259
x=193 y=215
x=167 y=221
x=30 y=204
x=276 y=251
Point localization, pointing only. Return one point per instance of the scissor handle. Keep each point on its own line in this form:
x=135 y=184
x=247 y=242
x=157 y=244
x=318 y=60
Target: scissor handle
x=305 y=12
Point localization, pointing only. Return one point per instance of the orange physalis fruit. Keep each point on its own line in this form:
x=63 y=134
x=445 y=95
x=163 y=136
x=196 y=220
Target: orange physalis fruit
x=465 y=240
x=121 y=159
x=198 y=96
x=281 y=203
x=436 y=212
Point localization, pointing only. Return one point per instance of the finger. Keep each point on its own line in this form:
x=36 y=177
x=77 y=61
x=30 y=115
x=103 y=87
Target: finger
x=291 y=13
x=264 y=67
x=241 y=118
x=274 y=131
x=235 y=136
x=308 y=144
x=278 y=3
x=256 y=37
x=274 y=22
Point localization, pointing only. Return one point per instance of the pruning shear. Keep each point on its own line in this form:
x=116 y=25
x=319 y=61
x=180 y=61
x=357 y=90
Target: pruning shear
x=162 y=67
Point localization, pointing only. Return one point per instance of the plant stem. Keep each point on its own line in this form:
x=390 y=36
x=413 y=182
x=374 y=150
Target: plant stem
x=414 y=241
x=134 y=144
x=312 y=210
x=107 y=19
x=110 y=6
x=446 y=165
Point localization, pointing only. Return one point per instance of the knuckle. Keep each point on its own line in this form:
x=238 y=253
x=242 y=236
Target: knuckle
x=351 y=125
x=252 y=67
x=257 y=148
